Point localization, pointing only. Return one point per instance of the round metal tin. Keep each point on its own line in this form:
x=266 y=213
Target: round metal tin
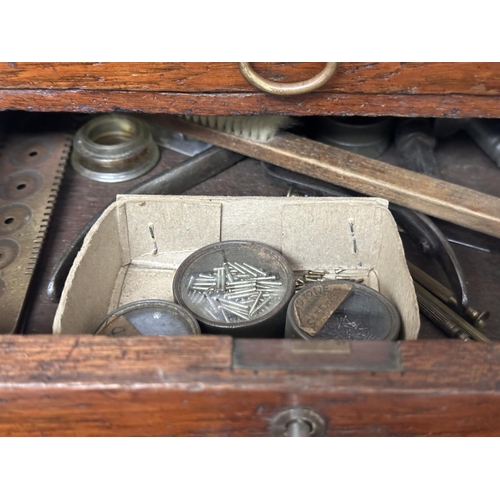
x=238 y=288
x=148 y=318
x=367 y=136
x=341 y=310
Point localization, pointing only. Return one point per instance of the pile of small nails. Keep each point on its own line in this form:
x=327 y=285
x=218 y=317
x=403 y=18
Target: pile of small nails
x=235 y=292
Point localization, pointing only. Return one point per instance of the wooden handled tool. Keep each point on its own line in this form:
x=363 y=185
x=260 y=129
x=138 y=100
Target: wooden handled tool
x=444 y=200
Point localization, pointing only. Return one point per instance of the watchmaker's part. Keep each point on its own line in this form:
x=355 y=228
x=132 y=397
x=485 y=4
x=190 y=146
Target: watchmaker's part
x=114 y=148
x=420 y=228
x=366 y=136
x=303 y=278
x=485 y=132
x=177 y=180
x=415 y=144
x=31 y=168
x=240 y=288
x=148 y=318
x=440 y=319
x=341 y=310
x=450 y=314
x=477 y=318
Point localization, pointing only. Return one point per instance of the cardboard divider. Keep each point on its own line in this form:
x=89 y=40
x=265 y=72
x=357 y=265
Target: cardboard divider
x=134 y=249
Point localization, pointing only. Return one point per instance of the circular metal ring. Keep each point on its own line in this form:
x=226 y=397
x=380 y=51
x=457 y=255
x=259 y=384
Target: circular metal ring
x=114 y=148
x=287 y=88
x=280 y=424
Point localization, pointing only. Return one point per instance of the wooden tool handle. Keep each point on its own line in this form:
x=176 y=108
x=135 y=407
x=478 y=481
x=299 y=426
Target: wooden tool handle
x=444 y=200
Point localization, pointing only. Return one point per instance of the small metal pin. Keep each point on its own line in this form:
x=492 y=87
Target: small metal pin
x=247 y=293
x=249 y=271
x=259 y=295
x=225 y=315
x=262 y=305
x=237 y=313
x=233 y=304
x=210 y=313
x=229 y=276
x=258 y=271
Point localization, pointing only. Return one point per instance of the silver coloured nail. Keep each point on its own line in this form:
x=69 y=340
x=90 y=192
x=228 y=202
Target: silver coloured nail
x=230 y=264
x=212 y=305
x=241 y=283
x=258 y=271
x=262 y=305
x=248 y=270
x=225 y=315
x=259 y=295
x=240 y=268
x=241 y=294
x=209 y=312
x=235 y=312
x=233 y=304
x=229 y=276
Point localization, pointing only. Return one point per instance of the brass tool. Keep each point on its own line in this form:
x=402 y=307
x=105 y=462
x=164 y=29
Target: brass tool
x=450 y=328
x=31 y=169
x=476 y=317
x=449 y=314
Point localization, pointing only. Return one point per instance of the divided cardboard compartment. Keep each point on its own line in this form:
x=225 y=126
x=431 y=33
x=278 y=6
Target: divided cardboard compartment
x=134 y=249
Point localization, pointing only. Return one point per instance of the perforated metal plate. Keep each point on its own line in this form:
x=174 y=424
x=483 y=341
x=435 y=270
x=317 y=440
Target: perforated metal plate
x=31 y=169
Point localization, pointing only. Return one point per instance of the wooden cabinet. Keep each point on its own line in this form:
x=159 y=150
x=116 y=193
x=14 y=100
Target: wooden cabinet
x=216 y=385
x=399 y=89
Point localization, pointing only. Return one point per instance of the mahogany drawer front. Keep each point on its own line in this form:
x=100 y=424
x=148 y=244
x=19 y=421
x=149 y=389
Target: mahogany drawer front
x=368 y=78
x=213 y=385
x=385 y=88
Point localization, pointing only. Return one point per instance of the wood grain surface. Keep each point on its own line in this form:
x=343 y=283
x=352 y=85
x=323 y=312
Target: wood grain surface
x=398 y=89
x=168 y=387
x=100 y=101
x=431 y=196
x=88 y=386
x=370 y=78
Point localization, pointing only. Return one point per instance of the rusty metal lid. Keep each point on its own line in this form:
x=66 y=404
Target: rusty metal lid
x=341 y=310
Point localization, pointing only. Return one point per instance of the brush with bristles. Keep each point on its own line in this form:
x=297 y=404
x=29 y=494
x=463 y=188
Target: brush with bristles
x=262 y=137
x=258 y=128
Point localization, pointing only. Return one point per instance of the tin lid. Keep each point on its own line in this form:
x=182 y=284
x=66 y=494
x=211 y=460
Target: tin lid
x=234 y=283
x=148 y=318
x=342 y=310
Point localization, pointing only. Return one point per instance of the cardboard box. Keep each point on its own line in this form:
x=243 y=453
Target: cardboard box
x=134 y=249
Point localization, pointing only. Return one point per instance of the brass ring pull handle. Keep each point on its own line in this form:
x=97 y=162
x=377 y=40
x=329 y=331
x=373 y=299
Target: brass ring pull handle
x=287 y=88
